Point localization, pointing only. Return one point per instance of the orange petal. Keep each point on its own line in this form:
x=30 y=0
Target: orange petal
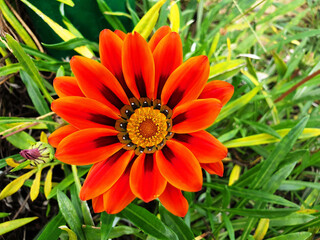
x=88 y=146
x=98 y=83
x=84 y=112
x=56 y=137
x=213 y=168
x=205 y=147
x=218 y=89
x=195 y=115
x=158 y=35
x=186 y=82
x=97 y=204
x=104 y=174
x=138 y=66
x=110 y=47
x=146 y=181
x=120 y=34
x=119 y=195
x=173 y=200
x=67 y=86
x=167 y=57
x=179 y=166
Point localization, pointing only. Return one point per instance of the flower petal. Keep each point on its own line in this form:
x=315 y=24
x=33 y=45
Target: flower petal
x=98 y=83
x=67 y=86
x=218 y=89
x=110 y=47
x=167 y=57
x=119 y=195
x=146 y=181
x=158 y=35
x=88 y=146
x=138 y=66
x=186 y=82
x=195 y=115
x=56 y=137
x=179 y=166
x=84 y=112
x=97 y=204
x=213 y=168
x=104 y=174
x=173 y=200
x=205 y=147
x=120 y=34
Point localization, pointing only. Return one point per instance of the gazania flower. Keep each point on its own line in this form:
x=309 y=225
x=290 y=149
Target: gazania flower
x=139 y=117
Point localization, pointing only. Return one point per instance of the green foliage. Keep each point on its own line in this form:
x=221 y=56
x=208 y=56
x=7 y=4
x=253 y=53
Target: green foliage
x=267 y=50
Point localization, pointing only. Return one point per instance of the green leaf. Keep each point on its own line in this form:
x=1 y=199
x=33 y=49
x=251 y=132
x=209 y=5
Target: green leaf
x=112 y=20
x=106 y=225
x=237 y=104
x=35 y=95
x=292 y=219
x=264 y=138
x=27 y=65
x=229 y=226
x=9 y=16
x=51 y=229
x=71 y=234
x=149 y=20
x=298 y=185
x=262 y=128
x=280 y=64
x=9 y=69
x=180 y=228
x=72 y=44
x=148 y=223
x=70 y=215
x=14 y=224
x=252 y=194
x=291 y=236
x=258 y=213
x=224 y=70
x=21 y=165
x=280 y=152
x=4 y=214
x=66 y=182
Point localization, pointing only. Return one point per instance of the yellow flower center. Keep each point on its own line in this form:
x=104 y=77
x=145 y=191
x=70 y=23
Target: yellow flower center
x=147 y=127
x=144 y=126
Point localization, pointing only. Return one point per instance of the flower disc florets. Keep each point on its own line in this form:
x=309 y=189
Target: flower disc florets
x=145 y=125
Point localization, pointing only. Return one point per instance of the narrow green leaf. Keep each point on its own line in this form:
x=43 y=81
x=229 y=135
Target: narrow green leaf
x=262 y=128
x=298 y=185
x=51 y=229
x=252 y=194
x=14 y=224
x=72 y=44
x=291 y=236
x=176 y=224
x=69 y=213
x=280 y=152
x=66 y=182
x=224 y=70
x=258 y=213
x=237 y=104
x=106 y=225
x=4 y=214
x=292 y=219
x=9 y=69
x=21 y=165
x=229 y=226
x=148 y=223
x=9 y=16
x=71 y=234
x=112 y=20
x=27 y=65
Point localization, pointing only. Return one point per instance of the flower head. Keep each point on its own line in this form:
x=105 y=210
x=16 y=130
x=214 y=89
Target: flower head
x=38 y=153
x=139 y=117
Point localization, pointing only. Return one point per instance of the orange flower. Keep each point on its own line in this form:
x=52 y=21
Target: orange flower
x=139 y=117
